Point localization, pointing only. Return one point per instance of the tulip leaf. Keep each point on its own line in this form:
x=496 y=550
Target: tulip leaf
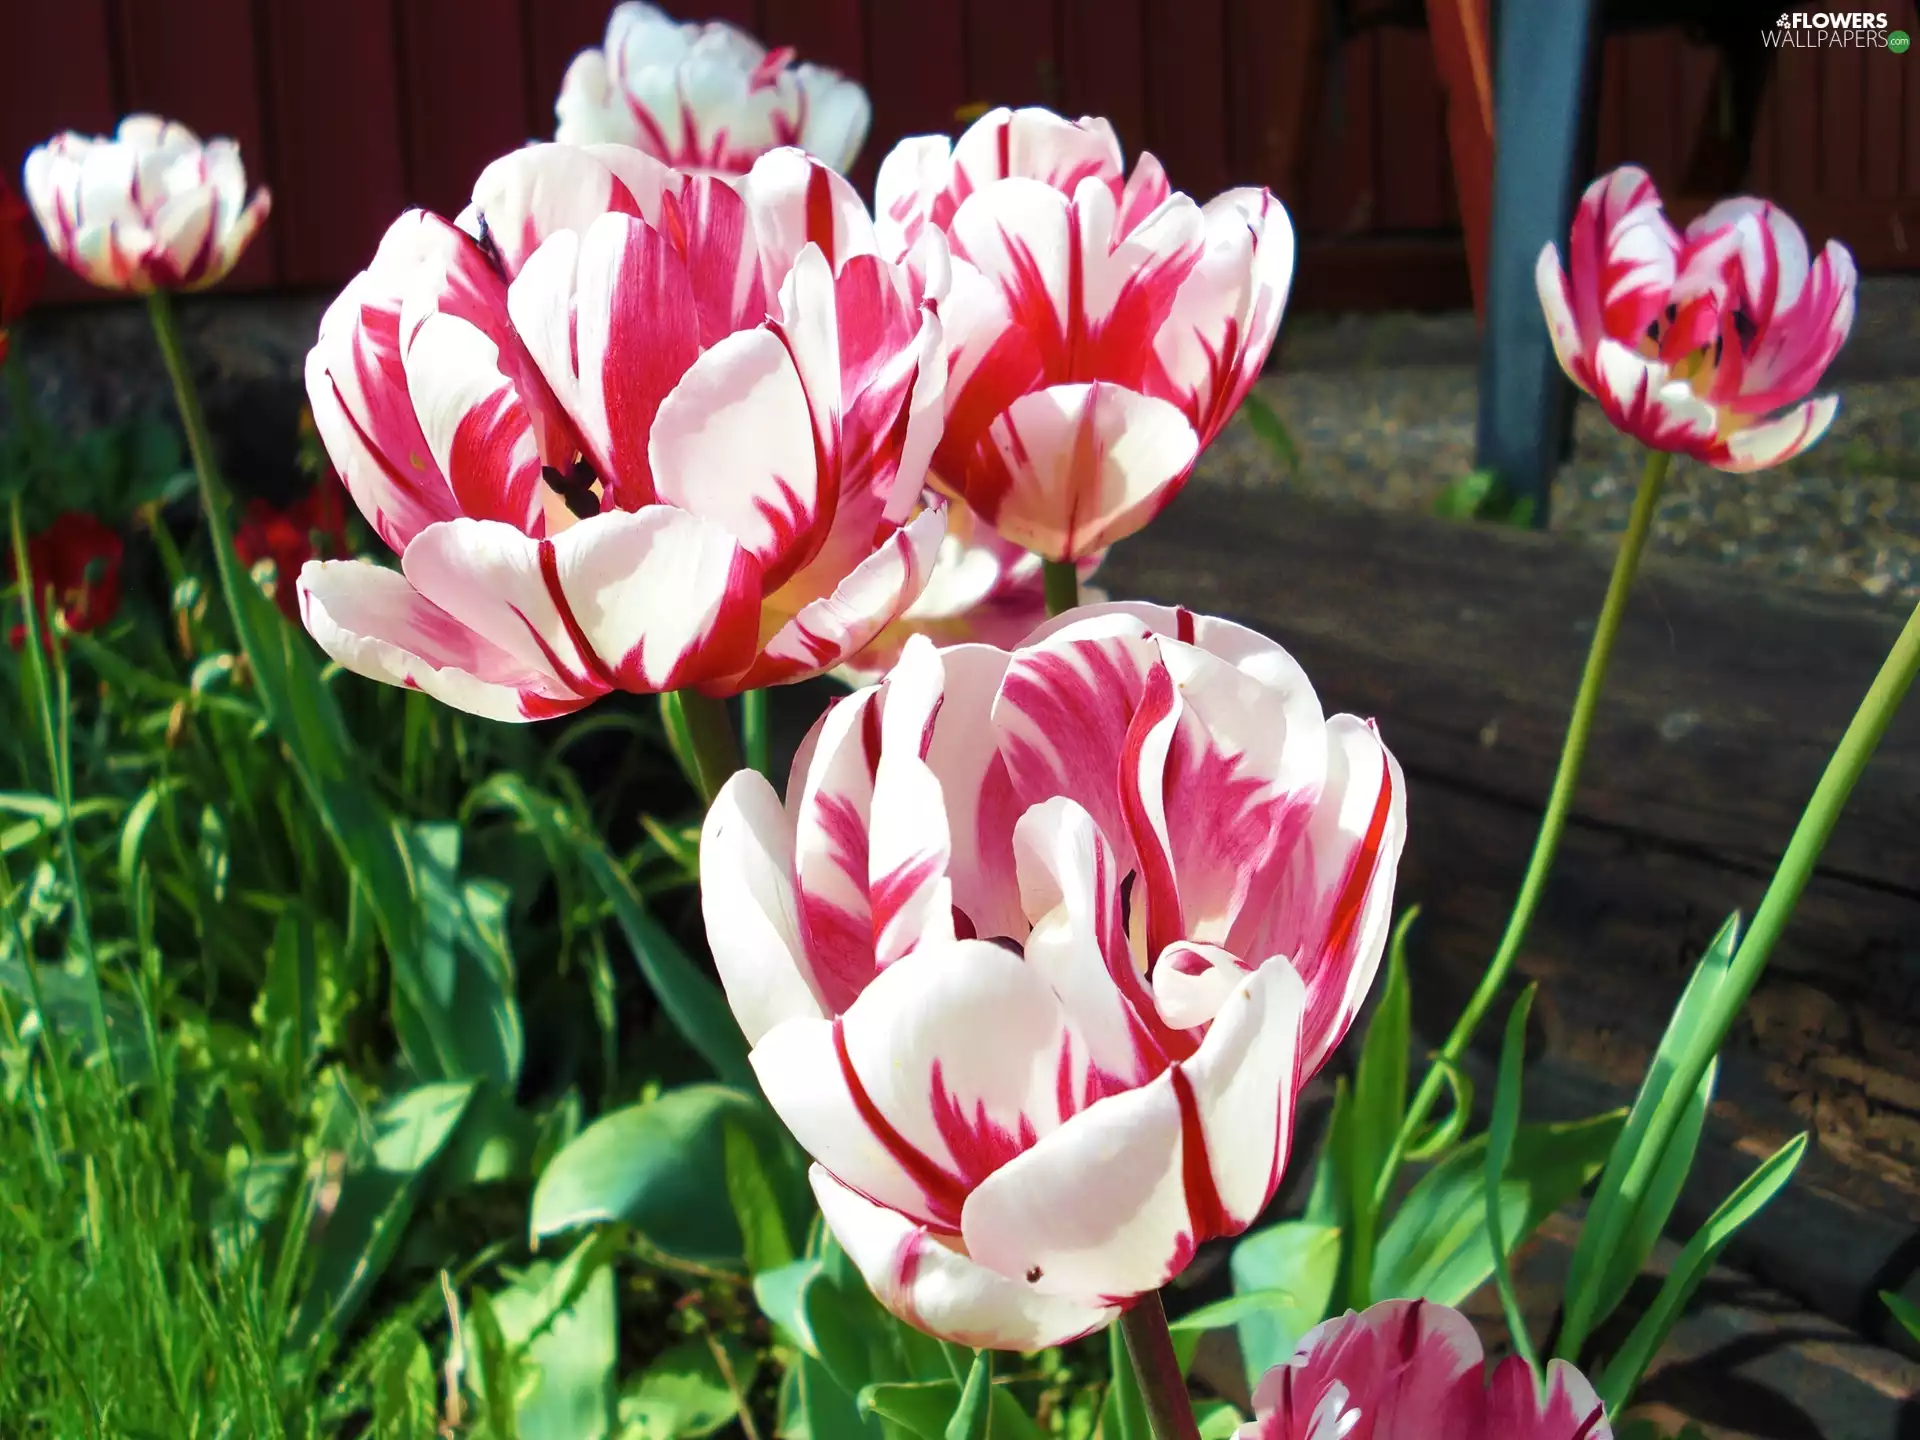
x=781 y=1296
x=1294 y=1258
x=1232 y=1310
x=1903 y=1310
x=1499 y=1148
x=1124 y=1415
x=1622 y=1375
x=972 y=1416
x=827 y=1410
x=684 y=1393
x=658 y=1167
x=922 y=1407
x=765 y=1244
x=1217 y=1419
x=559 y=1322
x=1596 y=1283
x=1436 y=1246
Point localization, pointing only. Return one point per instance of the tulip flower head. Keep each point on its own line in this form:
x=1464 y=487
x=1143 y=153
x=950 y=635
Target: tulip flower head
x=1414 y=1370
x=150 y=208
x=982 y=588
x=1103 y=327
x=1705 y=341
x=1040 y=949
x=707 y=99
x=23 y=261
x=76 y=569
x=627 y=429
x=312 y=527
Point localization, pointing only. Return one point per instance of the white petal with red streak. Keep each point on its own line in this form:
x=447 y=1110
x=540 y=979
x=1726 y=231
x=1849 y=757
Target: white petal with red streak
x=980 y=804
x=473 y=421
x=532 y=193
x=376 y=624
x=1411 y=1368
x=838 y=114
x=590 y=108
x=1105 y=1204
x=871 y=598
x=747 y=900
x=862 y=1096
x=1774 y=442
x=1556 y=300
x=795 y=200
x=1565 y=1408
x=829 y=803
x=913 y=172
x=734 y=443
x=908 y=844
x=1642 y=399
x=1080 y=467
x=928 y=1282
x=658 y=598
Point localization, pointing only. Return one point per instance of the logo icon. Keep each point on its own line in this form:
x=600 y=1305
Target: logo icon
x=1897 y=41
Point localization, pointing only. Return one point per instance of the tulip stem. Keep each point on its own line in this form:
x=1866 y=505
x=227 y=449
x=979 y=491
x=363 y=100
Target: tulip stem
x=710 y=744
x=1836 y=783
x=1573 y=752
x=1062 y=579
x=213 y=493
x=1162 y=1386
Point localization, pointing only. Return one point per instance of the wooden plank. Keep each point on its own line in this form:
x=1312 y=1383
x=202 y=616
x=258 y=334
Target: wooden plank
x=58 y=77
x=554 y=32
x=1186 y=99
x=1796 y=131
x=1649 y=62
x=1277 y=84
x=1334 y=276
x=1611 y=149
x=1104 y=66
x=197 y=63
x=340 y=168
x=1413 y=134
x=1886 y=85
x=1843 y=89
x=916 y=57
x=466 y=101
x=1013 y=52
x=1724 y=700
x=1340 y=197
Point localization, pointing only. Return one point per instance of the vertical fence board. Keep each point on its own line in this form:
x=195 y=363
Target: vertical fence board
x=1796 y=126
x=1340 y=193
x=1187 y=100
x=1843 y=85
x=196 y=63
x=59 y=77
x=916 y=68
x=1652 y=116
x=466 y=94
x=1414 y=163
x=554 y=32
x=1104 y=67
x=1885 y=86
x=1273 y=70
x=1013 y=52
x=336 y=117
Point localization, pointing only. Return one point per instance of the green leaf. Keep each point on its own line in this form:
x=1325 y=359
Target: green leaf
x=1500 y=1134
x=1265 y=422
x=404 y=1389
x=1124 y=1415
x=560 y=1322
x=1299 y=1259
x=684 y=1393
x=973 y=1415
x=1330 y=1198
x=756 y=1209
x=657 y=1166
x=692 y=1000
x=288 y=1013
x=1435 y=1247
x=1232 y=1310
x=1903 y=1310
x=781 y=1296
x=921 y=1407
x=1444 y=1135
x=1592 y=1278
x=1380 y=1080
x=827 y=1410
x=1217 y=1419
x=1622 y=1375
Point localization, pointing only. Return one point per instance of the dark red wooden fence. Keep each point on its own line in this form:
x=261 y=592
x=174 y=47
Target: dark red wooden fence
x=353 y=109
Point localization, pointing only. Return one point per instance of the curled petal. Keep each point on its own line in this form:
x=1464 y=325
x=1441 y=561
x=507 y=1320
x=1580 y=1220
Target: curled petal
x=927 y=1280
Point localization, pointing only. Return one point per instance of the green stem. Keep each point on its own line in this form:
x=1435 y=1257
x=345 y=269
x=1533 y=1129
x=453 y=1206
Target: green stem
x=1559 y=802
x=213 y=494
x=753 y=729
x=1150 y=1347
x=1850 y=758
x=1062 y=579
x=710 y=738
x=52 y=699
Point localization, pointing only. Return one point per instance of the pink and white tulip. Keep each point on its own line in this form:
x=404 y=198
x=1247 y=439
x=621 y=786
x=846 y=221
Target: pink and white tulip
x=1705 y=341
x=1410 y=1370
x=1040 y=949
x=709 y=99
x=149 y=208
x=1103 y=327
x=627 y=429
x=983 y=588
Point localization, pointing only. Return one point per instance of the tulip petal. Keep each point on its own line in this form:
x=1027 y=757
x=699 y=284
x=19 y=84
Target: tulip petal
x=1406 y=1369
x=643 y=601
x=1568 y=1410
x=1777 y=441
x=375 y=623
x=908 y=845
x=1640 y=397
x=944 y=1069
x=1116 y=1200
x=926 y=1280
x=795 y=201
x=747 y=900
x=1556 y=300
x=533 y=193
x=473 y=421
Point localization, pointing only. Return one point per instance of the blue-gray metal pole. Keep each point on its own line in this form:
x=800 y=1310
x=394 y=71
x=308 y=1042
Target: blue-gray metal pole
x=1542 y=68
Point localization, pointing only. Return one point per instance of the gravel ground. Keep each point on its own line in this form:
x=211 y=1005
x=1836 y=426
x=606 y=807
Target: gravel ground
x=1382 y=410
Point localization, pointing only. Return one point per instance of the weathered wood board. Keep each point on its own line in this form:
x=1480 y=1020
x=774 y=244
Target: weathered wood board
x=1725 y=699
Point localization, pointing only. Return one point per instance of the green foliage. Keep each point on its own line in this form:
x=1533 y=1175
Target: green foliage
x=1482 y=495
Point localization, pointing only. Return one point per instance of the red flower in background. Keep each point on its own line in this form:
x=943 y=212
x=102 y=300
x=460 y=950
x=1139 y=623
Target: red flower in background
x=314 y=527
x=23 y=261
x=77 y=557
